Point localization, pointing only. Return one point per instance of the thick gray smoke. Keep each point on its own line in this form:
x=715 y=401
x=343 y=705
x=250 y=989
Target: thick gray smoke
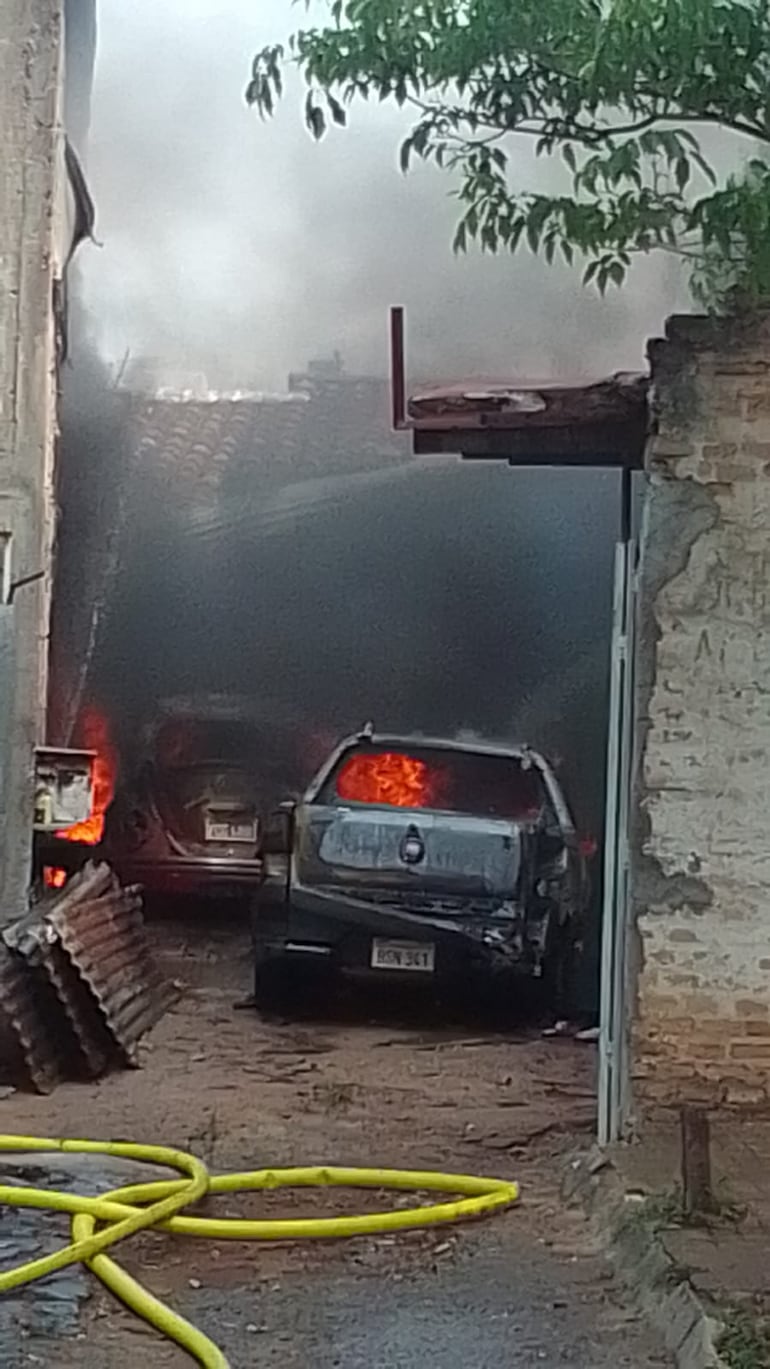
x=239 y=249
x=437 y=598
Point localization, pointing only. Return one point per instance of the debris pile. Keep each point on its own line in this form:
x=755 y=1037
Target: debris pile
x=78 y=983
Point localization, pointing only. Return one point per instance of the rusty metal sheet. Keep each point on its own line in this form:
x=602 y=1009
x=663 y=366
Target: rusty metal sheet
x=106 y=941
x=68 y=1026
x=29 y=1049
x=96 y=1047
x=78 y=984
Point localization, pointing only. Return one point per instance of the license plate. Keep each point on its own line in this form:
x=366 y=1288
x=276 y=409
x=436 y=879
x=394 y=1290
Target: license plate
x=217 y=830
x=404 y=955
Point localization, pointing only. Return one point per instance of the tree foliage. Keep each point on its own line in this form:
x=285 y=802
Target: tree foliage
x=619 y=91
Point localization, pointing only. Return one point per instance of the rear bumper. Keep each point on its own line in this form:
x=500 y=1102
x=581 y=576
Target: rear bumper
x=191 y=875
x=340 y=931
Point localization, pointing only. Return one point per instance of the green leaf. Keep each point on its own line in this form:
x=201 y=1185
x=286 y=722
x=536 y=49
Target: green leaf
x=337 y=112
x=314 y=117
x=682 y=172
x=620 y=91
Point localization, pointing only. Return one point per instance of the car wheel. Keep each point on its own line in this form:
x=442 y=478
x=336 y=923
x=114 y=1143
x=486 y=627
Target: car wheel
x=284 y=985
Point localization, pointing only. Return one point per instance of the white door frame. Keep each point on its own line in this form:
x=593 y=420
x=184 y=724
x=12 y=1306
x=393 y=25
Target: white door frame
x=614 y=1018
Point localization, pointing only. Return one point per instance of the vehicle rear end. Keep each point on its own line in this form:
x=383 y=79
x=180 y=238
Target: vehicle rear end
x=191 y=823
x=410 y=859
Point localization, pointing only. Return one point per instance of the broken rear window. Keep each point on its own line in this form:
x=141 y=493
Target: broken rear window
x=431 y=777
x=188 y=742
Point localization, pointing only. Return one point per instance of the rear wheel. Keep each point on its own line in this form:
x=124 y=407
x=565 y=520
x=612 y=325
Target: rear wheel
x=282 y=984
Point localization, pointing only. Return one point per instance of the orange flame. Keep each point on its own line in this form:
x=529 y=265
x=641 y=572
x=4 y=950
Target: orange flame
x=386 y=777
x=94 y=734
x=53 y=877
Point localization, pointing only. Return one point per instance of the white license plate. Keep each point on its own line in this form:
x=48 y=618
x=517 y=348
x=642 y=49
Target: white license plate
x=404 y=955
x=230 y=831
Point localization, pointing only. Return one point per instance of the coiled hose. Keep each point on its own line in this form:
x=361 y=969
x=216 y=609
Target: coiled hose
x=99 y=1223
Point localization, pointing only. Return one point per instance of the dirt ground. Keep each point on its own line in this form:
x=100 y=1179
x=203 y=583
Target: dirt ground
x=387 y=1082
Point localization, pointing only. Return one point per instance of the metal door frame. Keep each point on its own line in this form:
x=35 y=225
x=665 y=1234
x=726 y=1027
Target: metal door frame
x=614 y=1022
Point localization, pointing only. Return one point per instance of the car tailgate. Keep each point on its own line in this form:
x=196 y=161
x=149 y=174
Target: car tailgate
x=378 y=849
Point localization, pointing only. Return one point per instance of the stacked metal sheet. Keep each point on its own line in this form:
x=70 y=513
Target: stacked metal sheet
x=78 y=983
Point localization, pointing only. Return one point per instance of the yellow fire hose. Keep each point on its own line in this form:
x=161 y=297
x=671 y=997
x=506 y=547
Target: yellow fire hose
x=125 y=1211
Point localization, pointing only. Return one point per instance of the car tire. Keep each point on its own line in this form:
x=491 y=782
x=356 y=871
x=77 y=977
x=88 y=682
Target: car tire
x=285 y=985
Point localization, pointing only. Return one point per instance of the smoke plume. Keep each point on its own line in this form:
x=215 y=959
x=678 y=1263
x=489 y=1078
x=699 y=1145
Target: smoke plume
x=239 y=249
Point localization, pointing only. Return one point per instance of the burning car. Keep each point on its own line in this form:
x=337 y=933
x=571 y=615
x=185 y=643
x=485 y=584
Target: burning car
x=188 y=820
x=422 y=857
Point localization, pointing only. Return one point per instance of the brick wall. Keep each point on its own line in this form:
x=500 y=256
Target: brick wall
x=701 y=863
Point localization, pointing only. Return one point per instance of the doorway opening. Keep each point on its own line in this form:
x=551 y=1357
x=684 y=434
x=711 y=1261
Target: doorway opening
x=588 y=426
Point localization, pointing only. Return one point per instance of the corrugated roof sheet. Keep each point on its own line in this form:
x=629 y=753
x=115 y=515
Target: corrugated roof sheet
x=28 y=1046
x=106 y=942
x=78 y=984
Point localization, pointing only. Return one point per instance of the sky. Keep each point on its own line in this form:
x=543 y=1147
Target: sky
x=242 y=249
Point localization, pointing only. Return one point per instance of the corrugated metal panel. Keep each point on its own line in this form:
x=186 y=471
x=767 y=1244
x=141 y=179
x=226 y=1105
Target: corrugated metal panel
x=78 y=984
x=95 y=1044
x=28 y=1045
x=106 y=941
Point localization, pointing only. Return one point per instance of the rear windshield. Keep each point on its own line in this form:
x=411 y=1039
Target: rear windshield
x=193 y=785
x=430 y=777
x=184 y=743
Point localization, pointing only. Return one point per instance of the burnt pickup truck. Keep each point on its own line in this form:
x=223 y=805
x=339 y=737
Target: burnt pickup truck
x=409 y=856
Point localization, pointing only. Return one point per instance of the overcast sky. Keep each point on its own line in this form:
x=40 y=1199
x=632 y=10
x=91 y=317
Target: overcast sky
x=242 y=249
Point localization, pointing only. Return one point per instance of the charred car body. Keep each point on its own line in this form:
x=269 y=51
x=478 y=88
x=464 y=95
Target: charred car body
x=187 y=820
x=422 y=856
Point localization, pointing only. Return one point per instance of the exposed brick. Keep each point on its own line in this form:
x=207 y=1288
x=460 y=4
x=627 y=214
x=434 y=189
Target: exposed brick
x=750 y=1007
x=701 y=1050
x=742 y=1095
x=703 y=706
x=704 y=1008
x=720 y=451
x=671 y=446
x=750 y=1050
x=747 y=365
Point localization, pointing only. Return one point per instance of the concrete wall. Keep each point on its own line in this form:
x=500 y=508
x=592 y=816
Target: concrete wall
x=701 y=864
x=29 y=117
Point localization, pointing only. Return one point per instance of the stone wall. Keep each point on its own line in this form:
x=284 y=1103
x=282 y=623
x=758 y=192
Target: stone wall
x=701 y=860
